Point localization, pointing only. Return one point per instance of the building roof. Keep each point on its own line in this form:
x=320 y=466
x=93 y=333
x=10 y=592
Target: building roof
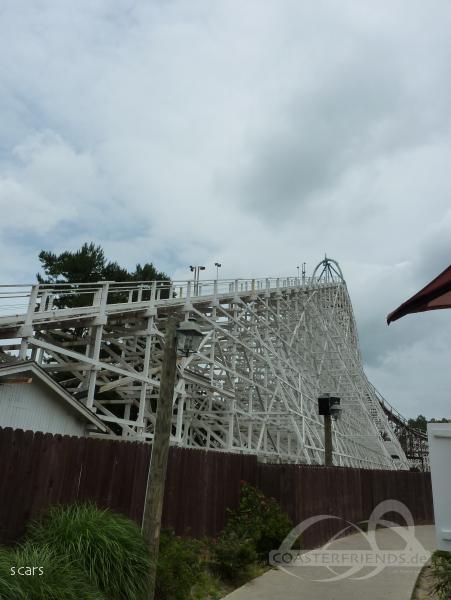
x=74 y=405
x=434 y=296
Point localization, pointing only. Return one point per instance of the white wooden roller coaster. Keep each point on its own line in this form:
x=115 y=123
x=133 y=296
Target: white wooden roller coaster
x=270 y=348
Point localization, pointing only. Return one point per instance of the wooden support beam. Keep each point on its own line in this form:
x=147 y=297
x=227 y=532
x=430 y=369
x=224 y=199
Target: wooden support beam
x=10 y=380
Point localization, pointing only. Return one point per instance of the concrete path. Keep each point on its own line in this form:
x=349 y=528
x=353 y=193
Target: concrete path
x=297 y=583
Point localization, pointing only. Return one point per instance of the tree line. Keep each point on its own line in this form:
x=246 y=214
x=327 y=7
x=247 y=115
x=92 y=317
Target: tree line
x=421 y=422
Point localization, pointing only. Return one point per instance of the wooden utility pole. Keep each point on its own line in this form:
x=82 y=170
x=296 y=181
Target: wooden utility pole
x=153 y=506
x=328 y=441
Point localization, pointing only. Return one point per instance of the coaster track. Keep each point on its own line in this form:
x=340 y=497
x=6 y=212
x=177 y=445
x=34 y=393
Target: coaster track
x=270 y=348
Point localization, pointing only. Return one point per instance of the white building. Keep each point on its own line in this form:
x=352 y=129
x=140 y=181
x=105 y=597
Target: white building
x=31 y=400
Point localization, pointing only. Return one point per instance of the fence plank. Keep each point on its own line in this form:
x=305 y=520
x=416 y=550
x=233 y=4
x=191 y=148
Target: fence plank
x=37 y=470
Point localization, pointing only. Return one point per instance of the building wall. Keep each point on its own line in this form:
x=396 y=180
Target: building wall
x=36 y=407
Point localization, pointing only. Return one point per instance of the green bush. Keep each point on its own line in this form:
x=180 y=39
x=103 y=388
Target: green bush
x=252 y=531
x=58 y=578
x=208 y=586
x=179 y=566
x=109 y=547
x=233 y=556
x=259 y=519
x=441 y=566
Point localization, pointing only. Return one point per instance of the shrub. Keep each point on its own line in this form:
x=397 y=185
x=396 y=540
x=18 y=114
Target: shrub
x=233 y=555
x=179 y=566
x=109 y=547
x=58 y=578
x=441 y=566
x=259 y=519
x=208 y=587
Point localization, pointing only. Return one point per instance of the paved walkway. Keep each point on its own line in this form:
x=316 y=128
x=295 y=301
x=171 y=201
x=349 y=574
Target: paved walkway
x=297 y=583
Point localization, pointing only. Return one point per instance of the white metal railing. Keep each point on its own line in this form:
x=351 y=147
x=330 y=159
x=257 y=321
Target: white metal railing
x=15 y=299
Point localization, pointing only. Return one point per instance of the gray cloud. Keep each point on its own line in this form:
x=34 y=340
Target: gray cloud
x=322 y=135
x=360 y=103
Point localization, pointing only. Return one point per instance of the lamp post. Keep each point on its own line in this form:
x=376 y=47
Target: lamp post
x=183 y=338
x=217 y=265
x=196 y=270
x=329 y=407
x=298 y=271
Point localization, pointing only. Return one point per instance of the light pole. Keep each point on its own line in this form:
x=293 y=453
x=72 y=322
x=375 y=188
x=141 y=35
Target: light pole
x=182 y=338
x=217 y=265
x=329 y=407
x=196 y=270
x=298 y=272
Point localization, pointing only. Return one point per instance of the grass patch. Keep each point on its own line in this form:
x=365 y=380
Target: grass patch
x=108 y=547
x=57 y=579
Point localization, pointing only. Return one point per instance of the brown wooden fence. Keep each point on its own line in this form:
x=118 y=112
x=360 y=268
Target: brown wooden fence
x=37 y=470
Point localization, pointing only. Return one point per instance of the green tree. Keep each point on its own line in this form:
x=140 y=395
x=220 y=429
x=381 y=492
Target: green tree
x=89 y=265
x=419 y=423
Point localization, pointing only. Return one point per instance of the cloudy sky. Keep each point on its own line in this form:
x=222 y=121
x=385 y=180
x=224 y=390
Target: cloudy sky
x=261 y=134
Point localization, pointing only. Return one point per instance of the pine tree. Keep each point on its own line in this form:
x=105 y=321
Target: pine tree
x=89 y=265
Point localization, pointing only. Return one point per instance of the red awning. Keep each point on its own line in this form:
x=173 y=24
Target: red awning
x=437 y=294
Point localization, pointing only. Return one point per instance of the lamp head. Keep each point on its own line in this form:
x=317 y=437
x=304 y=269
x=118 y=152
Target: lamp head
x=329 y=405
x=189 y=336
